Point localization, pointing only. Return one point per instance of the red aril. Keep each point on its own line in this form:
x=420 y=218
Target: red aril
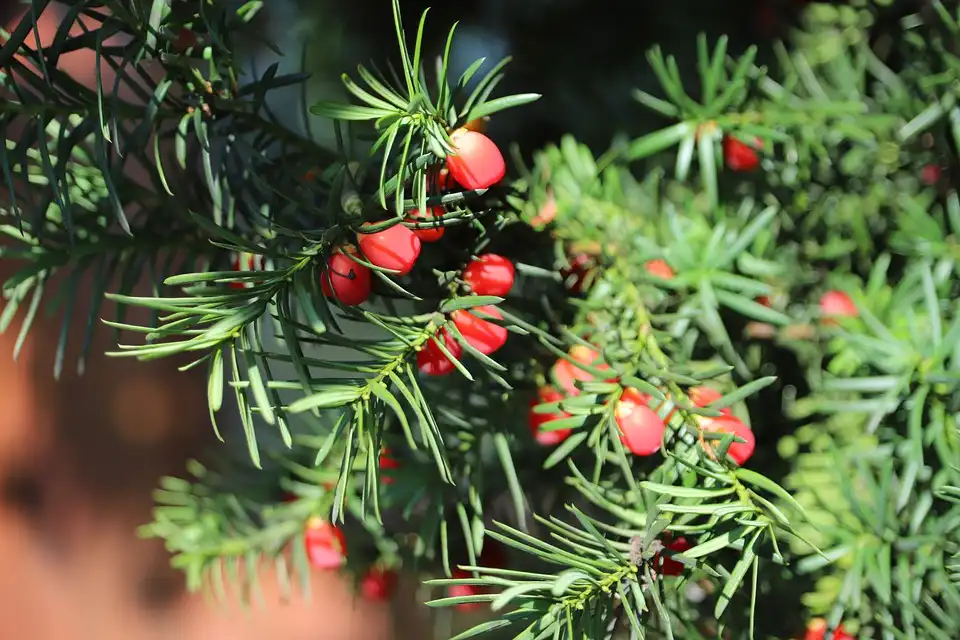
x=461 y=590
x=244 y=262
x=325 y=544
x=492 y=556
x=817 y=630
x=739 y=156
x=837 y=304
x=566 y=373
x=427 y=235
x=477 y=163
x=439 y=180
x=703 y=396
x=346 y=280
x=739 y=452
x=184 y=40
x=641 y=429
x=490 y=275
x=575 y=275
x=666 y=565
x=478 y=124
x=483 y=335
x=930 y=175
x=378 y=584
x=659 y=269
x=396 y=248
x=432 y=361
x=537 y=420
x=386 y=464
x=547 y=212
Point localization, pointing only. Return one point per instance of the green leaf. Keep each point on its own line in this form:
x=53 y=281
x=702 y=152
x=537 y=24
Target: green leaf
x=742 y=393
x=340 y=111
x=468 y=302
x=716 y=543
x=757 y=480
x=513 y=482
x=500 y=104
x=328 y=398
x=658 y=141
x=686 y=492
x=739 y=572
x=751 y=308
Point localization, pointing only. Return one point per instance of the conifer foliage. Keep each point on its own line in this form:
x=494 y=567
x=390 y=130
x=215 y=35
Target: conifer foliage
x=705 y=384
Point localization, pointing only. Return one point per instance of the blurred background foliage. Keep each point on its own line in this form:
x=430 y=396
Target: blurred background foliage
x=585 y=57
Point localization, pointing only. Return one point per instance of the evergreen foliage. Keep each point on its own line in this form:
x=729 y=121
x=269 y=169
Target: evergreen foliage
x=670 y=258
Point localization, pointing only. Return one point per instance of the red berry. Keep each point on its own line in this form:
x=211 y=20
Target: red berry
x=930 y=175
x=432 y=361
x=492 y=556
x=325 y=544
x=346 y=280
x=739 y=452
x=547 y=212
x=838 y=304
x=387 y=463
x=764 y=300
x=537 y=420
x=427 y=235
x=460 y=590
x=483 y=335
x=668 y=566
x=703 y=396
x=576 y=274
x=817 y=630
x=739 y=156
x=440 y=180
x=184 y=40
x=659 y=269
x=490 y=275
x=243 y=262
x=566 y=373
x=641 y=429
x=478 y=163
x=378 y=584
x=477 y=124
x=395 y=248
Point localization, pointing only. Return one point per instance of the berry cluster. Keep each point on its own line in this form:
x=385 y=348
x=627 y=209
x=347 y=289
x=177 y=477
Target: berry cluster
x=477 y=164
x=641 y=426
